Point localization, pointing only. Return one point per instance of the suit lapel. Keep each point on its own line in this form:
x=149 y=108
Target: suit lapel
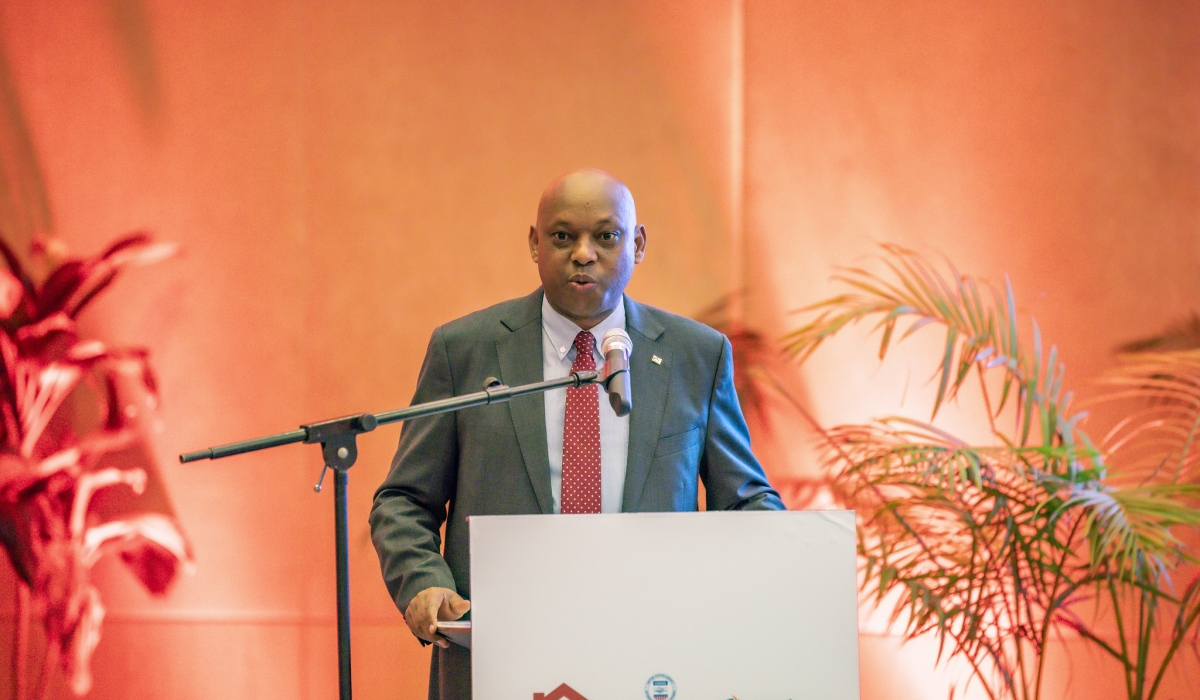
x=650 y=381
x=520 y=356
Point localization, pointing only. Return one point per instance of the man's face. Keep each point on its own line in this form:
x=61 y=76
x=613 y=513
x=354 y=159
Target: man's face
x=585 y=244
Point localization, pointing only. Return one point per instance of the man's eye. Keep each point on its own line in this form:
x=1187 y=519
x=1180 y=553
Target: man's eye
x=608 y=236
x=559 y=235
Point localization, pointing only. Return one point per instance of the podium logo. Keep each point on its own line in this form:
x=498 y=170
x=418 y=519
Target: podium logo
x=660 y=687
x=562 y=692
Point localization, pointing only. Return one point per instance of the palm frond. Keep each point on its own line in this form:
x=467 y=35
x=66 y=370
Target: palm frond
x=1184 y=335
x=1157 y=440
x=981 y=334
x=1129 y=530
x=992 y=548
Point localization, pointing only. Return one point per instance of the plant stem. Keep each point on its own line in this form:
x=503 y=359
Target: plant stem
x=1147 y=604
x=1048 y=614
x=1126 y=670
x=49 y=663
x=21 y=642
x=1186 y=620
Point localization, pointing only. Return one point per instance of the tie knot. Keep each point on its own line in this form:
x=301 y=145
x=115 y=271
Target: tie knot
x=584 y=342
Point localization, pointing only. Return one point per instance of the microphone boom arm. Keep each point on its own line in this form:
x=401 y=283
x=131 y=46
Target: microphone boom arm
x=339 y=447
x=493 y=392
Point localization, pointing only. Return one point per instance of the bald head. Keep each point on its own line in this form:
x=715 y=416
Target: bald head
x=587 y=188
x=585 y=243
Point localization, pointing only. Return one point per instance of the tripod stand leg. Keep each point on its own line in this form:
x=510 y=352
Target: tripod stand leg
x=341 y=479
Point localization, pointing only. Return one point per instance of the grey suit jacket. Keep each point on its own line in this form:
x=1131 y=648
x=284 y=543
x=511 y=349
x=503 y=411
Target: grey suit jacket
x=686 y=426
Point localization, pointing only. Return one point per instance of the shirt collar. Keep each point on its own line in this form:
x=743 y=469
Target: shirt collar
x=562 y=331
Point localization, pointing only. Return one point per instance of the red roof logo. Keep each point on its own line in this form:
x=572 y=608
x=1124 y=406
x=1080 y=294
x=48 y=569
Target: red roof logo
x=562 y=692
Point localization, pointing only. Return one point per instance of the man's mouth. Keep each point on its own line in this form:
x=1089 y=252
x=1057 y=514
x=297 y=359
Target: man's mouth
x=581 y=284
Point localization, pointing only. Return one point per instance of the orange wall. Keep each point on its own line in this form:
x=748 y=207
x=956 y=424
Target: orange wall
x=346 y=176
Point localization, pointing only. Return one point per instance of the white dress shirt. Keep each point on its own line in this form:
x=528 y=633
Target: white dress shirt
x=558 y=354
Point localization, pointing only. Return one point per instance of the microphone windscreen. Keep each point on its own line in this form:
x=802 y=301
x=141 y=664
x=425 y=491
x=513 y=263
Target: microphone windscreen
x=618 y=338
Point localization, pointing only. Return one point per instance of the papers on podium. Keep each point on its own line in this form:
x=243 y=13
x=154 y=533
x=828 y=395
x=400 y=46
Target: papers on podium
x=457 y=631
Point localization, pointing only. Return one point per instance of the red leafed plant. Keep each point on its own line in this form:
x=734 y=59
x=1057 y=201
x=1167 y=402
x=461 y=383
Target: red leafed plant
x=74 y=464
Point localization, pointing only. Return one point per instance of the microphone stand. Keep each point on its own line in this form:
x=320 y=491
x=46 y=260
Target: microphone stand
x=339 y=447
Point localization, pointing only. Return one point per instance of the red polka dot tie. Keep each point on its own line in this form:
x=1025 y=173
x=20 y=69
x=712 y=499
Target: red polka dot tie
x=581 y=437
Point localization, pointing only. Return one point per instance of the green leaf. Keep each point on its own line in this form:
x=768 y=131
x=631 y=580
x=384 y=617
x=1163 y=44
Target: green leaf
x=946 y=367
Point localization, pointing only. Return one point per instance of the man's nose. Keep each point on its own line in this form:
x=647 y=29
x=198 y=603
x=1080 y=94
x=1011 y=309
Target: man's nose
x=584 y=252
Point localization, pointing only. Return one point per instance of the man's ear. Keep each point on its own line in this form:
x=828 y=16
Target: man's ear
x=639 y=243
x=533 y=243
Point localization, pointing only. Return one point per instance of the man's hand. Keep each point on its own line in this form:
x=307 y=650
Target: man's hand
x=431 y=605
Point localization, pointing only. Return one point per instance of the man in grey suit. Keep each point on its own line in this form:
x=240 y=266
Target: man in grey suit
x=566 y=451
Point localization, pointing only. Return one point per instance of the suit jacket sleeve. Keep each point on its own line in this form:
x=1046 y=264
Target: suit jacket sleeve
x=733 y=478
x=410 y=505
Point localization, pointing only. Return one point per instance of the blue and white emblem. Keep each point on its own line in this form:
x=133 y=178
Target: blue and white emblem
x=660 y=687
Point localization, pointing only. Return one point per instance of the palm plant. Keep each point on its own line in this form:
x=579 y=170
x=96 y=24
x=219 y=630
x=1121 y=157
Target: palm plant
x=995 y=548
x=56 y=467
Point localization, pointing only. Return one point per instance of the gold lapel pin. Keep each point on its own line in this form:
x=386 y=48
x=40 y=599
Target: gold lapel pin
x=656 y=359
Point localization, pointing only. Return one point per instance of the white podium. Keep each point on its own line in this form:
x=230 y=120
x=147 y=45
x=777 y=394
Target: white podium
x=713 y=606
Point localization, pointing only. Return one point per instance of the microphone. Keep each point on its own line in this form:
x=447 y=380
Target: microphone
x=616 y=348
